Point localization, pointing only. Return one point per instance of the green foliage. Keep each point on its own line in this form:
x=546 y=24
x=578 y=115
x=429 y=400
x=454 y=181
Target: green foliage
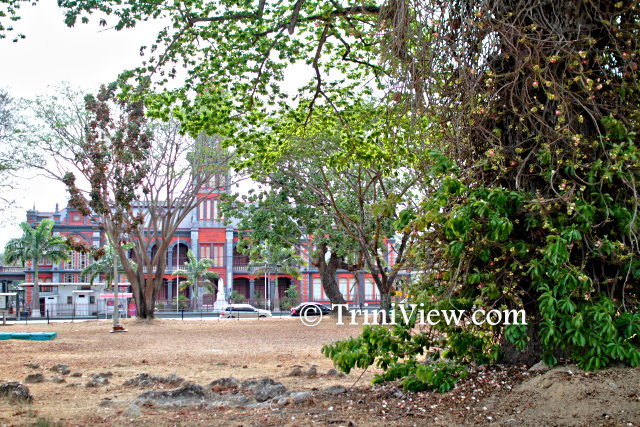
x=236 y=297
x=532 y=200
x=197 y=273
x=292 y=292
x=396 y=350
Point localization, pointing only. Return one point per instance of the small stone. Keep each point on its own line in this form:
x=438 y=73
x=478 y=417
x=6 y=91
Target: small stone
x=58 y=380
x=15 y=392
x=107 y=374
x=34 y=378
x=296 y=372
x=32 y=365
x=132 y=411
x=244 y=366
x=97 y=382
x=312 y=372
x=335 y=390
x=60 y=368
x=300 y=397
x=332 y=373
x=283 y=401
x=76 y=374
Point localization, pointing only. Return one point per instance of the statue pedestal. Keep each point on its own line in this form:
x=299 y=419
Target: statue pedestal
x=221 y=302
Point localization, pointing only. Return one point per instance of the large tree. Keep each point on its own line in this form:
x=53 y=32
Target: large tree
x=140 y=186
x=36 y=244
x=352 y=184
x=282 y=214
x=533 y=194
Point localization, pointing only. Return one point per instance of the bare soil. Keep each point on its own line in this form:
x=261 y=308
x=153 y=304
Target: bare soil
x=202 y=351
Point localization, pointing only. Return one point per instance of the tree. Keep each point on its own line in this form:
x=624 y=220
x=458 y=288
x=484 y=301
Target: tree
x=352 y=186
x=238 y=52
x=141 y=186
x=283 y=215
x=12 y=125
x=35 y=245
x=267 y=260
x=533 y=193
x=197 y=273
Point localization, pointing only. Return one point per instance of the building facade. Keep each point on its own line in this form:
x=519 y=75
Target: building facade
x=63 y=287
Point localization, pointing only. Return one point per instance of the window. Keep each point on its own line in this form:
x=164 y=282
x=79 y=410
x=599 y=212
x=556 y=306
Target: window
x=218 y=255
x=205 y=251
x=214 y=251
x=369 y=289
x=69 y=278
x=82 y=260
x=69 y=300
x=344 y=288
x=48 y=289
x=317 y=289
x=208 y=210
x=92 y=299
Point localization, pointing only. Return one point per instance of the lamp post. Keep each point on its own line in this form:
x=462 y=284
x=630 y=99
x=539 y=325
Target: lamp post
x=177 y=280
x=266 y=285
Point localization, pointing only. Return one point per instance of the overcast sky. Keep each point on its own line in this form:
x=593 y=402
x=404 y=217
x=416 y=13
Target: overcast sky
x=84 y=56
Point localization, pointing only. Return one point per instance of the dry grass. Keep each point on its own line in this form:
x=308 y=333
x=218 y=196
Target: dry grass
x=199 y=351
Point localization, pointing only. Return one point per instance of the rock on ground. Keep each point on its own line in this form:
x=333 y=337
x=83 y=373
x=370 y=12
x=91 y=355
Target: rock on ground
x=301 y=397
x=132 y=411
x=34 y=378
x=189 y=395
x=146 y=380
x=264 y=389
x=335 y=390
x=60 y=368
x=16 y=392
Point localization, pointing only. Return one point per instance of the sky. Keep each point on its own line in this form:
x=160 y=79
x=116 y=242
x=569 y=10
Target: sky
x=85 y=56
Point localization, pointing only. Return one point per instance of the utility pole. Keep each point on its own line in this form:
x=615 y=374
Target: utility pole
x=117 y=327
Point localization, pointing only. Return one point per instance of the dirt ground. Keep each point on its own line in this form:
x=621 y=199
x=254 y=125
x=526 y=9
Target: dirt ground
x=202 y=351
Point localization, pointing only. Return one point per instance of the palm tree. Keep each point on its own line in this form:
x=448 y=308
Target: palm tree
x=35 y=245
x=267 y=259
x=197 y=273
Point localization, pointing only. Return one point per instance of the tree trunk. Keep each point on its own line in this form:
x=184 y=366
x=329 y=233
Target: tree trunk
x=385 y=300
x=35 y=294
x=328 y=275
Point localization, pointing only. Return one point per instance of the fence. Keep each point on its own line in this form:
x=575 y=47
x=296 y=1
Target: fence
x=192 y=306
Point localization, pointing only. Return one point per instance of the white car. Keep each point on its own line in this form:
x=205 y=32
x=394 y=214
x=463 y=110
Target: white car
x=243 y=310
